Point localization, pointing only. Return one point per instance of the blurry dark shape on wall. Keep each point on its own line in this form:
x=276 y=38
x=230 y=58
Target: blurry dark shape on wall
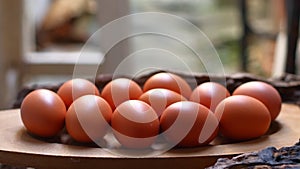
x=66 y=21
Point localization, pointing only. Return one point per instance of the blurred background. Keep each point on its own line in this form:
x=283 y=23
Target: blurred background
x=41 y=40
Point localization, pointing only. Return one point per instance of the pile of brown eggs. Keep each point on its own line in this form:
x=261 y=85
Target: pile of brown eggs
x=166 y=104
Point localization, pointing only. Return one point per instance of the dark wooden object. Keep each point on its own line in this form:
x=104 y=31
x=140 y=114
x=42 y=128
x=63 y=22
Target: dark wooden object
x=293 y=12
x=288 y=85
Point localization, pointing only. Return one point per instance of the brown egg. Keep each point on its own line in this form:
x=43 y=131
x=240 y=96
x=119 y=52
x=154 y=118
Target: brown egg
x=119 y=90
x=135 y=124
x=209 y=94
x=73 y=89
x=88 y=118
x=168 y=81
x=242 y=117
x=189 y=124
x=265 y=93
x=160 y=99
x=43 y=113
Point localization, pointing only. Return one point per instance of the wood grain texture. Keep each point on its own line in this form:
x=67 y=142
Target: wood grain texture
x=19 y=148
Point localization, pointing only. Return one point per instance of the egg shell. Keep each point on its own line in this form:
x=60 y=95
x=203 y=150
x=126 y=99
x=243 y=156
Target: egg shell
x=189 y=124
x=243 y=117
x=265 y=93
x=209 y=94
x=88 y=118
x=119 y=90
x=135 y=124
x=43 y=113
x=75 y=88
x=168 y=81
x=159 y=99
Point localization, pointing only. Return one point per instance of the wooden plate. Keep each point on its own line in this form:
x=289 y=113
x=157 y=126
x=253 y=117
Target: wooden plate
x=18 y=148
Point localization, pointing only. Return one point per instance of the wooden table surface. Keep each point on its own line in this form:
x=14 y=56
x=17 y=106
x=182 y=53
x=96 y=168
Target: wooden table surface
x=19 y=148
